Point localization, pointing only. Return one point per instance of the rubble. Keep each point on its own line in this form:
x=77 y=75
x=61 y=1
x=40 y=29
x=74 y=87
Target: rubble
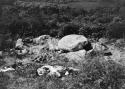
x=22 y=52
x=56 y=70
x=41 y=39
x=73 y=47
x=36 y=49
x=19 y=43
x=99 y=46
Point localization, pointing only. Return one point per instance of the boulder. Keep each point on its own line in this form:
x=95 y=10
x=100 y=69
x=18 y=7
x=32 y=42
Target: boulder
x=74 y=43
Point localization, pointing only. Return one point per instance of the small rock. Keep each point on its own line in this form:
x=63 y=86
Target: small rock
x=22 y=52
x=99 y=47
x=1 y=53
x=5 y=69
x=50 y=70
x=103 y=40
x=59 y=71
x=75 y=56
x=120 y=41
x=41 y=39
x=19 y=43
x=53 y=44
x=36 y=49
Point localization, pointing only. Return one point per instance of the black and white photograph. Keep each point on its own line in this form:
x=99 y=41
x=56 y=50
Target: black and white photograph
x=62 y=44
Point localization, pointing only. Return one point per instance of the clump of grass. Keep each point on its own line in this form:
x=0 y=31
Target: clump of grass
x=98 y=74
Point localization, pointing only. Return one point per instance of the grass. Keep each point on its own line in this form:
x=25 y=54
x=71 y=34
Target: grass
x=83 y=4
x=96 y=73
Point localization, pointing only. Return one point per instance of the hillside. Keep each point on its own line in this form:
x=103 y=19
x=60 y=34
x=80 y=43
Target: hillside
x=71 y=45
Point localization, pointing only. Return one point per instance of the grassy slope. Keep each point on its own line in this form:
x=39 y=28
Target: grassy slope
x=19 y=82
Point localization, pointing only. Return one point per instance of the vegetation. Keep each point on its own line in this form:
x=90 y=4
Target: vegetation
x=31 y=19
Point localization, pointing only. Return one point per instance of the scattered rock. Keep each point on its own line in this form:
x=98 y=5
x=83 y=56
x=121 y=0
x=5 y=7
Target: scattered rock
x=50 y=70
x=19 y=43
x=56 y=70
x=103 y=40
x=1 y=53
x=74 y=43
x=107 y=54
x=28 y=40
x=5 y=69
x=22 y=52
x=71 y=70
x=120 y=41
x=75 y=56
x=36 y=49
x=53 y=43
x=25 y=61
x=10 y=60
x=99 y=47
x=41 y=39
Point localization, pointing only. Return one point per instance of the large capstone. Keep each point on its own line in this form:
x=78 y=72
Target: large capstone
x=74 y=43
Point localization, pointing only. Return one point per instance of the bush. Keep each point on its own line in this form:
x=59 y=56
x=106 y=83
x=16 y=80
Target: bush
x=68 y=29
x=93 y=31
x=104 y=20
x=117 y=30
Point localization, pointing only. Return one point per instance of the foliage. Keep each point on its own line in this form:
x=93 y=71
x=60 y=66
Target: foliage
x=93 y=30
x=116 y=30
x=68 y=29
x=24 y=19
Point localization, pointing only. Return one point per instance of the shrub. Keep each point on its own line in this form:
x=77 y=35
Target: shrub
x=67 y=29
x=104 y=20
x=117 y=30
x=98 y=74
x=92 y=30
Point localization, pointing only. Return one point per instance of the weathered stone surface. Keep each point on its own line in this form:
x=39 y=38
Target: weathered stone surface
x=74 y=43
